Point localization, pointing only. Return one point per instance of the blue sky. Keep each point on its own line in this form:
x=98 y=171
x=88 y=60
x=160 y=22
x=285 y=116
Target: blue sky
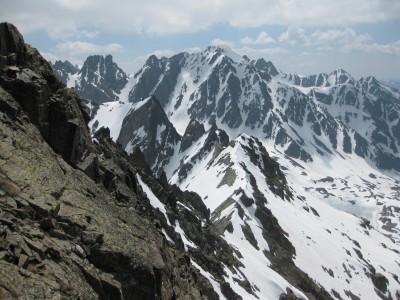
x=305 y=37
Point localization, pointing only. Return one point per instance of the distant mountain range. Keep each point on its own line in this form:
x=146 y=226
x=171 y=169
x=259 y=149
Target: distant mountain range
x=300 y=175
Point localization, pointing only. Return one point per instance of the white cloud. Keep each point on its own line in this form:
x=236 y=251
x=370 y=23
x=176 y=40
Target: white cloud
x=263 y=38
x=339 y=36
x=161 y=53
x=78 y=47
x=75 y=5
x=140 y=60
x=89 y=34
x=390 y=48
x=325 y=48
x=294 y=36
x=223 y=43
x=76 y=51
x=50 y=56
x=258 y=53
x=176 y=16
x=192 y=50
x=348 y=40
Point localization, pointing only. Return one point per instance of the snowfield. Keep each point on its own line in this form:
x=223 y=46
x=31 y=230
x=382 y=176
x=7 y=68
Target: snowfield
x=336 y=210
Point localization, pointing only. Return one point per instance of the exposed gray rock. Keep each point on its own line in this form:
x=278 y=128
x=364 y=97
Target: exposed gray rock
x=149 y=129
x=100 y=79
x=193 y=132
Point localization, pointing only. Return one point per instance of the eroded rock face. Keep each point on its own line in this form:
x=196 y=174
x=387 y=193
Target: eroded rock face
x=55 y=110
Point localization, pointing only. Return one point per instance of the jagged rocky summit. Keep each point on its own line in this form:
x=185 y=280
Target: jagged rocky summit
x=324 y=125
x=99 y=79
x=81 y=218
x=302 y=115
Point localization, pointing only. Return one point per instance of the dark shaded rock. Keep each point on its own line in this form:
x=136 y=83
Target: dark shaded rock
x=380 y=282
x=249 y=235
x=351 y=295
x=289 y=295
x=151 y=73
x=265 y=66
x=295 y=151
x=149 y=129
x=48 y=223
x=55 y=110
x=228 y=292
x=193 y=132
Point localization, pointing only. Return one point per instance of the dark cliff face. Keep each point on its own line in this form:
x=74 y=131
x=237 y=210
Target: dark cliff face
x=149 y=129
x=163 y=73
x=55 y=110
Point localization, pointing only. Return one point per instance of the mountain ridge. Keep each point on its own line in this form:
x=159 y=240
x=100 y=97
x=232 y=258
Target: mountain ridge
x=272 y=200
x=340 y=120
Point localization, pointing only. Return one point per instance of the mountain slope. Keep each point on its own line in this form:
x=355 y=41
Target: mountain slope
x=280 y=163
x=313 y=125
x=148 y=128
x=79 y=218
x=253 y=97
x=270 y=221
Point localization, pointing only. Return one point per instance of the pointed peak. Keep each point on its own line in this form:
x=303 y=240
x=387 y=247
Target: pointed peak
x=369 y=82
x=218 y=48
x=193 y=132
x=102 y=132
x=152 y=60
x=58 y=64
x=223 y=50
x=266 y=66
x=371 y=79
x=93 y=60
x=340 y=76
x=154 y=101
x=152 y=106
x=214 y=133
x=95 y=57
x=213 y=127
x=11 y=40
x=340 y=71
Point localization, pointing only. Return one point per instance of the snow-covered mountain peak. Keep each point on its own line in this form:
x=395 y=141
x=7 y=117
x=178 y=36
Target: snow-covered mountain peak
x=211 y=106
x=340 y=76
